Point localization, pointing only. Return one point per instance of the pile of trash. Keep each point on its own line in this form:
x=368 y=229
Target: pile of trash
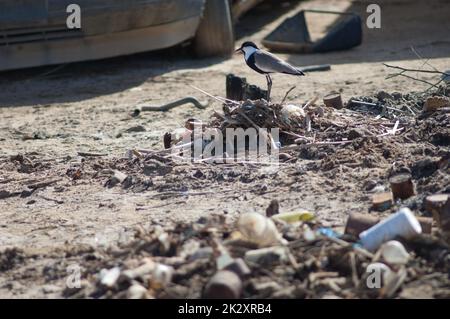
x=332 y=122
x=395 y=254
x=276 y=255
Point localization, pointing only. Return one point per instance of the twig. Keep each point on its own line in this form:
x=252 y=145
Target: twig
x=414 y=70
x=395 y=127
x=88 y=154
x=420 y=80
x=57 y=201
x=421 y=57
x=218 y=98
x=404 y=70
x=311 y=102
x=295 y=147
x=287 y=93
x=44 y=184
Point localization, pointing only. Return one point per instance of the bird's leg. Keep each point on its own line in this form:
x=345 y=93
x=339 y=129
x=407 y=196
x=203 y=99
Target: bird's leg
x=269 y=86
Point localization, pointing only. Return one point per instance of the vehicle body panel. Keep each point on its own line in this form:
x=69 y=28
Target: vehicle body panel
x=34 y=32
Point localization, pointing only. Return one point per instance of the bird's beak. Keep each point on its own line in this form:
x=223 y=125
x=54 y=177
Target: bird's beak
x=238 y=51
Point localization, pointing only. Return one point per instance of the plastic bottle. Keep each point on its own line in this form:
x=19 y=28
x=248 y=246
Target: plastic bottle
x=403 y=224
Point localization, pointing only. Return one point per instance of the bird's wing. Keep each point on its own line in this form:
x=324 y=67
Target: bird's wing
x=268 y=62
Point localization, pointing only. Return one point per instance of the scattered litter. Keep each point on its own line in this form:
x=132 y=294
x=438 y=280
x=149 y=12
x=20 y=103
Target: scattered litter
x=109 y=277
x=259 y=229
x=393 y=252
x=403 y=224
x=293 y=217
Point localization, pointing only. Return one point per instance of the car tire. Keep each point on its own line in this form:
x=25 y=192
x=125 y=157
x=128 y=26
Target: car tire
x=215 y=34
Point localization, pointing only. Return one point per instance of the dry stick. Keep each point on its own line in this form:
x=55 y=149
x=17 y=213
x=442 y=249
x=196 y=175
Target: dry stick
x=354 y=269
x=88 y=154
x=44 y=184
x=414 y=70
x=429 y=64
x=374 y=104
x=287 y=93
x=420 y=80
x=218 y=98
x=296 y=135
x=311 y=102
x=295 y=147
x=403 y=70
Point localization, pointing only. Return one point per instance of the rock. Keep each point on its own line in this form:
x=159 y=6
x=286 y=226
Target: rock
x=136 y=291
x=397 y=95
x=155 y=167
x=383 y=95
x=273 y=208
x=424 y=168
x=136 y=129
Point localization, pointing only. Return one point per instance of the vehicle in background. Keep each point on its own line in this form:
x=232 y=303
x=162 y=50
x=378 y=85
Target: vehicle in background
x=35 y=33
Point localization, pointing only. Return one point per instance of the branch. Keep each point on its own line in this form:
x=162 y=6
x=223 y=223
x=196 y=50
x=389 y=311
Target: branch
x=287 y=93
x=415 y=70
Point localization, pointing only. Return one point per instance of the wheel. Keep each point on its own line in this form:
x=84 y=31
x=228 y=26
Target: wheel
x=215 y=34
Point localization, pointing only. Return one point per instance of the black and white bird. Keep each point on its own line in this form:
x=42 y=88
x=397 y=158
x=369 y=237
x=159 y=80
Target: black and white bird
x=266 y=63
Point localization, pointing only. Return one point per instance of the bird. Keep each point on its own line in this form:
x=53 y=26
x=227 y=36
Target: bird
x=266 y=63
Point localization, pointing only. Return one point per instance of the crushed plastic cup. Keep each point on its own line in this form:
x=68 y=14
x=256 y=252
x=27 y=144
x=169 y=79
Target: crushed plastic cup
x=393 y=252
x=403 y=224
x=259 y=229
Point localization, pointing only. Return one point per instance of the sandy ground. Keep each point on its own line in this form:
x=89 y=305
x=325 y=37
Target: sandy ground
x=86 y=107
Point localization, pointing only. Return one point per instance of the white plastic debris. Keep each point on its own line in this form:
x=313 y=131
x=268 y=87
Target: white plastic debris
x=393 y=252
x=109 y=277
x=162 y=274
x=403 y=224
x=259 y=229
x=308 y=234
x=291 y=111
x=136 y=291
